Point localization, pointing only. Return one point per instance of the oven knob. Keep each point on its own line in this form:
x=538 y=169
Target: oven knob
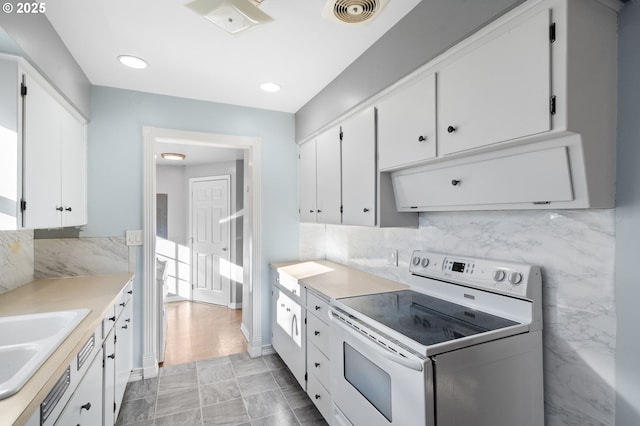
x=498 y=275
x=425 y=262
x=515 y=278
x=416 y=261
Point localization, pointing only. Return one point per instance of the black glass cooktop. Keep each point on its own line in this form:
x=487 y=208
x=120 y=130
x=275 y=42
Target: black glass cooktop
x=423 y=318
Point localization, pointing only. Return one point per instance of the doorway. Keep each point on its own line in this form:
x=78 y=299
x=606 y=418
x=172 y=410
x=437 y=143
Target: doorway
x=236 y=262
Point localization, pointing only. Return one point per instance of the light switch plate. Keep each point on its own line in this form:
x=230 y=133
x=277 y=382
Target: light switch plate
x=134 y=238
x=392 y=257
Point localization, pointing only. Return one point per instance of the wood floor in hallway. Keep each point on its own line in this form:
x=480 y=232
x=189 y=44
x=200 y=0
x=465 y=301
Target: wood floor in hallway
x=197 y=331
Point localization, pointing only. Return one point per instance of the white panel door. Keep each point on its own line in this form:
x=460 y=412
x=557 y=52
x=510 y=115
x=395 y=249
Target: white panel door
x=328 y=191
x=73 y=143
x=407 y=125
x=359 y=169
x=210 y=219
x=307 y=181
x=499 y=91
x=41 y=158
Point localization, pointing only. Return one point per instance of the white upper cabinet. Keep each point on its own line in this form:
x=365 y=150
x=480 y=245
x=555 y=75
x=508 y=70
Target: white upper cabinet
x=359 y=169
x=319 y=178
x=407 y=125
x=54 y=162
x=328 y=182
x=307 y=181
x=44 y=167
x=498 y=91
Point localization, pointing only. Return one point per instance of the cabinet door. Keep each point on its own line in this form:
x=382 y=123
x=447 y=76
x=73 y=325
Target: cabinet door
x=73 y=179
x=533 y=177
x=407 y=125
x=124 y=354
x=41 y=158
x=359 y=169
x=85 y=406
x=328 y=197
x=109 y=377
x=499 y=91
x=307 y=181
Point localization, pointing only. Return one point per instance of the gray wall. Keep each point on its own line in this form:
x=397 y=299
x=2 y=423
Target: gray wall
x=44 y=49
x=628 y=218
x=432 y=27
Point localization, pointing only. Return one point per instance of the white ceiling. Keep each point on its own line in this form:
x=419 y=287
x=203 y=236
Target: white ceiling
x=195 y=154
x=191 y=57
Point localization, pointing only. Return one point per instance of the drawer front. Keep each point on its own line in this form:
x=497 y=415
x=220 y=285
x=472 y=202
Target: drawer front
x=319 y=366
x=320 y=397
x=318 y=333
x=318 y=307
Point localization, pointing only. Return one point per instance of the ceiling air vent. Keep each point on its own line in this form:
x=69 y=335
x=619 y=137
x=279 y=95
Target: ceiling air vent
x=353 y=11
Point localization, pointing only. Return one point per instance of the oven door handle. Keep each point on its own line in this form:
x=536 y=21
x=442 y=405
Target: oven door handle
x=409 y=363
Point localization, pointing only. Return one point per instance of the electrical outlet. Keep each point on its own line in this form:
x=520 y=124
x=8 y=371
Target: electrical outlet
x=392 y=257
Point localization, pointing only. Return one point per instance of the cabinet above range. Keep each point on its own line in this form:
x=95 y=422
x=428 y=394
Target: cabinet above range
x=525 y=116
x=43 y=168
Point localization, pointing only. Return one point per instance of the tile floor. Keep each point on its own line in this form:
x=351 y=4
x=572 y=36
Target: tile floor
x=228 y=390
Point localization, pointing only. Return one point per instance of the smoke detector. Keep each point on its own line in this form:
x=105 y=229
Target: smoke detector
x=232 y=16
x=353 y=11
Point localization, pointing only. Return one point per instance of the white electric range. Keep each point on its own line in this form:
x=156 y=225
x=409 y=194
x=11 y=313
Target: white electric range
x=462 y=347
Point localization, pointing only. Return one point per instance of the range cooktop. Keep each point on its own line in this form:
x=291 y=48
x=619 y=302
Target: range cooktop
x=423 y=318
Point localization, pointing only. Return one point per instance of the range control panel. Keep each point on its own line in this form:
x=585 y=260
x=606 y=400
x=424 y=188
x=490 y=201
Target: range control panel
x=499 y=276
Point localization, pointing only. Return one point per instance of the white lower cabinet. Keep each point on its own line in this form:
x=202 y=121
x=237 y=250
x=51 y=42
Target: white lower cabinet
x=109 y=379
x=318 y=362
x=85 y=406
x=123 y=349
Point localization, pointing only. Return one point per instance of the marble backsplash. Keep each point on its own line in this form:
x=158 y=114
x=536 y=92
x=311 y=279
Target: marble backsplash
x=62 y=257
x=16 y=259
x=576 y=252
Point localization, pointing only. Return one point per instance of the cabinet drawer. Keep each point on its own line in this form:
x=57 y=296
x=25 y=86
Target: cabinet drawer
x=318 y=307
x=319 y=396
x=124 y=298
x=533 y=177
x=318 y=333
x=319 y=366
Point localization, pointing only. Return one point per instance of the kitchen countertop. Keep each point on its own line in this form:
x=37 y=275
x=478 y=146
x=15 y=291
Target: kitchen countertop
x=96 y=293
x=339 y=281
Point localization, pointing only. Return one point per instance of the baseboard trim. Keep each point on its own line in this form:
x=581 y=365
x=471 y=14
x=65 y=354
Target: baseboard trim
x=136 y=375
x=268 y=350
x=149 y=367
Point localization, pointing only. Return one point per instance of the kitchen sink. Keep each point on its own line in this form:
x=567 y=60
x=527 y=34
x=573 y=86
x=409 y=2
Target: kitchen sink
x=26 y=341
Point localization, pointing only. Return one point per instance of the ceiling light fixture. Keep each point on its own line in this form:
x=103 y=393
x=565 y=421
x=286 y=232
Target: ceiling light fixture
x=133 y=62
x=231 y=15
x=270 y=87
x=173 y=156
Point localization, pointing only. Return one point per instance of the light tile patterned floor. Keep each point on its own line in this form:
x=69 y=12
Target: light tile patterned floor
x=229 y=390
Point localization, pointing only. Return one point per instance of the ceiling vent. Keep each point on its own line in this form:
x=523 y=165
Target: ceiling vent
x=353 y=11
x=232 y=16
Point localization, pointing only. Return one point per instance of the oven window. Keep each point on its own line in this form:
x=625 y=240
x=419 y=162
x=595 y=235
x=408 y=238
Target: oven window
x=370 y=380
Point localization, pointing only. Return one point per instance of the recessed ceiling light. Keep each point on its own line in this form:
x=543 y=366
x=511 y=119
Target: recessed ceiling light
x=172 y=156
x=132 y=62
x=270 y=87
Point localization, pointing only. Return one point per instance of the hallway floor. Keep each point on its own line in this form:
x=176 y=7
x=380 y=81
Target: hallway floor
x=198 y=331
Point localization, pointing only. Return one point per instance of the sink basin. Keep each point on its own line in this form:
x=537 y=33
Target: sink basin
x=27 y=341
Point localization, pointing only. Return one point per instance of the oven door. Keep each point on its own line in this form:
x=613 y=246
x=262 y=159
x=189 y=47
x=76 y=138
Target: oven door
x=371 y=385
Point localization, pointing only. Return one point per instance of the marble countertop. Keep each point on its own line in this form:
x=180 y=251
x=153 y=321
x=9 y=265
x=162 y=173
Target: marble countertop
x=96 y=293
x=335 y=280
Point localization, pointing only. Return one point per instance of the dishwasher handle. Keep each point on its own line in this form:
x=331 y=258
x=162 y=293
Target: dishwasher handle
x=413 y=364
